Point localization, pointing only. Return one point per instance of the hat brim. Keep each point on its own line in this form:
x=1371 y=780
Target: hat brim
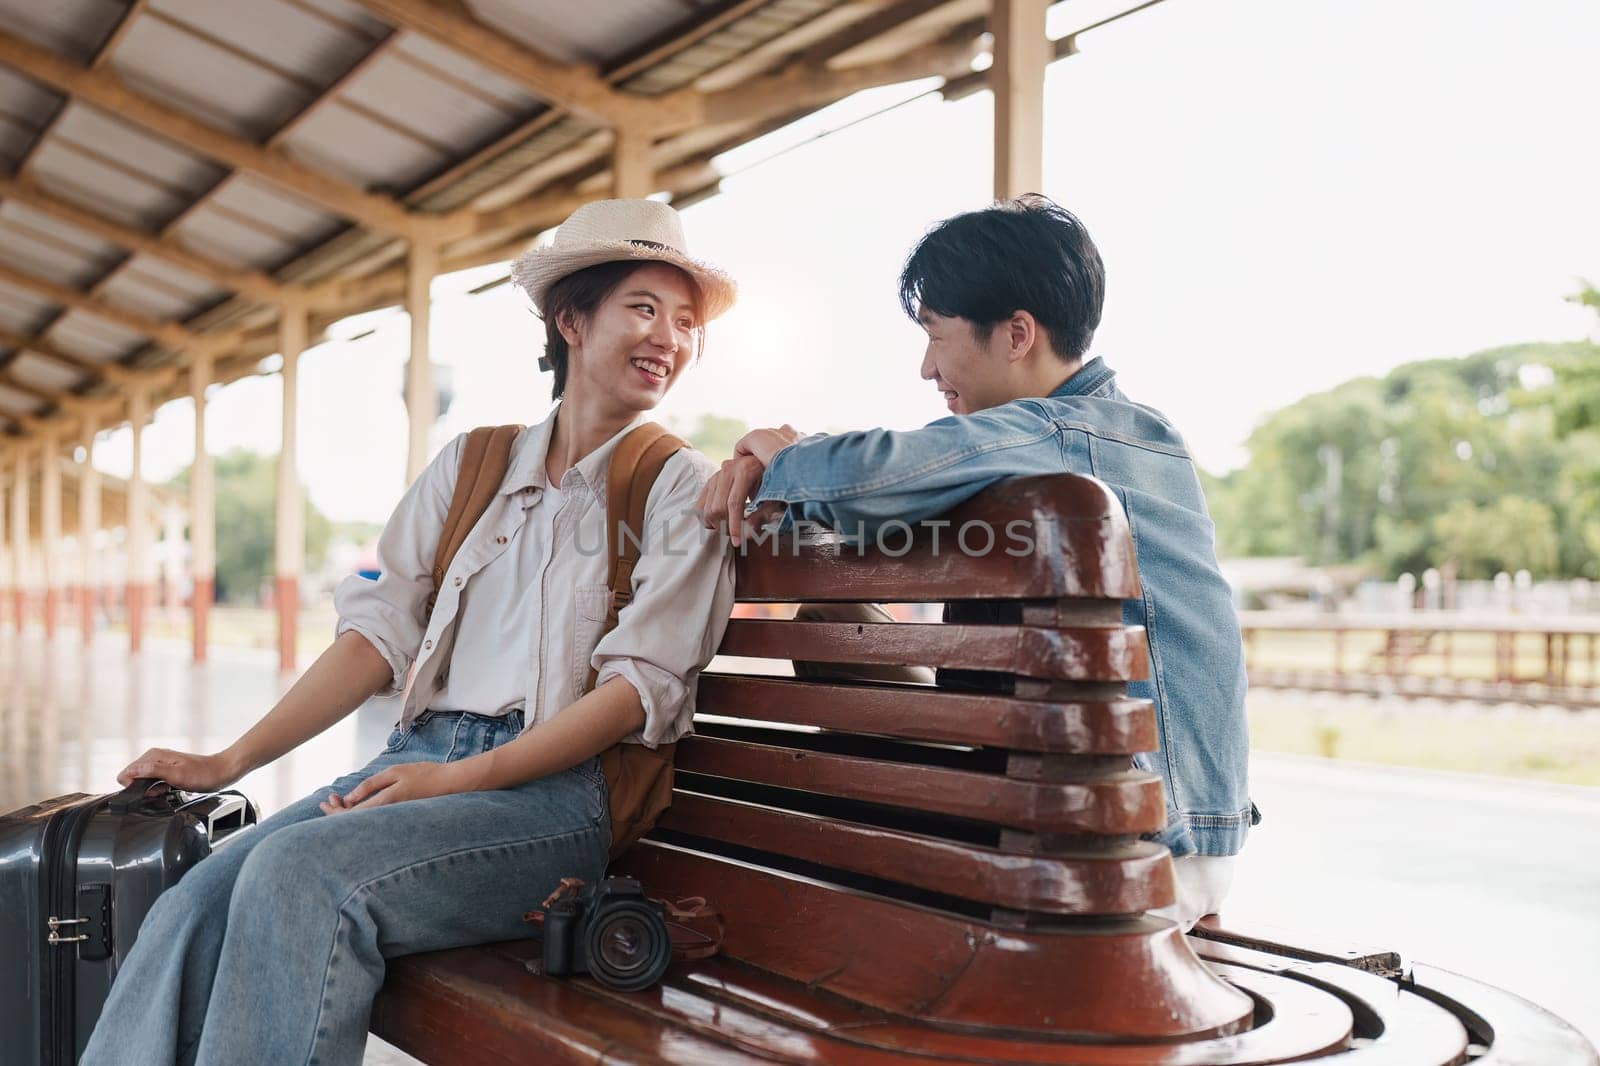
x=536 y=269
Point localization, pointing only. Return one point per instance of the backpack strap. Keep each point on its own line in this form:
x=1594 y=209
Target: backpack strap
x=635 y=464
x=484 y=461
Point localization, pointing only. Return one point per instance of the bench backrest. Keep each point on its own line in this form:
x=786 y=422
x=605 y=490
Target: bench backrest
x=967 y=853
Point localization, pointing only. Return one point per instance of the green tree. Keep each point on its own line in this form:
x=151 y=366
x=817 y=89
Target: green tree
x=1578 y=376
x=1360 y=473
x=246 y=495
x=715 y=435
x=1513 y=533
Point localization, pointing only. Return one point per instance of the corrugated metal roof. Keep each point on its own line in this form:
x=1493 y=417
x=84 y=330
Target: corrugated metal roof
x=42 y=373
x=72 y=28
x=596 y=34
x=361 y=105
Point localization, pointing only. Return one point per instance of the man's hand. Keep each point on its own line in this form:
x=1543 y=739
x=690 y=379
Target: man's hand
x=765 y=443
x=721 y=502
x=395 y=784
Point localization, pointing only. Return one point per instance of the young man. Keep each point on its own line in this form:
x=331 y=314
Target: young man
x=1010 y=297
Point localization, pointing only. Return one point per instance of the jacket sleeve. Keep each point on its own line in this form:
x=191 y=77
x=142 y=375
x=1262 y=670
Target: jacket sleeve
x=390 y=612
x=682 y=597
x=857 y=482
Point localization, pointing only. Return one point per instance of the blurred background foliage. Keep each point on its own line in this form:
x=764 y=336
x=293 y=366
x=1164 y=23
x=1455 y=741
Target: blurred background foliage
x=1489 y=462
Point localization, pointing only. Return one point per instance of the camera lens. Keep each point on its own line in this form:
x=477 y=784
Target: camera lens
x=629 y=946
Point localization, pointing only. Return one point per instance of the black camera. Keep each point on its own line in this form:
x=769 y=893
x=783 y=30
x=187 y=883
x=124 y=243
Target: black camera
x=610 y=931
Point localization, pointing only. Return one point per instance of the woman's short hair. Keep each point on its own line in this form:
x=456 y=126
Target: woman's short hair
x=580 y=294
x=1028 y=254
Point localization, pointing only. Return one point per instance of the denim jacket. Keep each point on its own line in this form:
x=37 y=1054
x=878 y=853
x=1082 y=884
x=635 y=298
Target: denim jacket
x=858 y=481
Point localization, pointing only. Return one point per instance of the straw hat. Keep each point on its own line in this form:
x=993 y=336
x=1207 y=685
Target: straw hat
x=608 y=231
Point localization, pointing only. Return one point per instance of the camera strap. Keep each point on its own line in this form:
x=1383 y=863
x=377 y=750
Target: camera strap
x=688 y=942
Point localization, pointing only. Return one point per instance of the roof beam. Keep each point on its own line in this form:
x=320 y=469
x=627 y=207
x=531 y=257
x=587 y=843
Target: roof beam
x=102 y=54
x=41 y=346
x=169 y=333
x=9 y=380
x=104 y=90
x=578 y=89
x=805 y=87
x=250 y=283
x=679 y=38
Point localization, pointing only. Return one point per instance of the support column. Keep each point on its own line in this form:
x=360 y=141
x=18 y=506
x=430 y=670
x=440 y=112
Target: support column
x=139 y=534
x=8 y=581
x=88 y=532
x=172 y=562
x=50 y=531
x=422 y=401
x=19 y=537
x=202 y=511
x=290 y=540
x=632 y=172
x=1021 y=54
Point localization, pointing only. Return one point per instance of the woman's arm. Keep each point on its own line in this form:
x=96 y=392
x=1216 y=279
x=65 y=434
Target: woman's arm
x=592 y=724
x=597 y=721
x=342 y=678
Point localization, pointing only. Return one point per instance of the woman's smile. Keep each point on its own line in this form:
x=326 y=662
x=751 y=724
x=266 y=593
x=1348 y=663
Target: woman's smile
x=653 y=371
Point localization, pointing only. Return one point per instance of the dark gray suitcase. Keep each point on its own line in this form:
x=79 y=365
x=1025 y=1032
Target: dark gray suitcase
x=77 y=875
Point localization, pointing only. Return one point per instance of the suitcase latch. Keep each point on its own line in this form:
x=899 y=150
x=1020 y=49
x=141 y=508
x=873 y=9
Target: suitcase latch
x=96 y=936
x=55 y=927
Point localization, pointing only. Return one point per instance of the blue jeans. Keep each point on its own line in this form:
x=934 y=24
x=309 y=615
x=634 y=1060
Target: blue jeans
x=271 y=949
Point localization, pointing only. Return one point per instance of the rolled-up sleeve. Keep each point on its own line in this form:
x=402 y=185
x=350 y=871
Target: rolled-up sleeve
x=391 y=612
x=682 y=597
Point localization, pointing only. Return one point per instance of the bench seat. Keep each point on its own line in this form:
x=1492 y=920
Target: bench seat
x=949 y=872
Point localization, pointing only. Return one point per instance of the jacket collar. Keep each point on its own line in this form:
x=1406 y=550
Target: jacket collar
x=527 y=470
x=1092 y=377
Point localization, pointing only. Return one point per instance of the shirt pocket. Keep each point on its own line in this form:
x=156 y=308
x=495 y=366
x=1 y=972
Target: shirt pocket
x=591 y=605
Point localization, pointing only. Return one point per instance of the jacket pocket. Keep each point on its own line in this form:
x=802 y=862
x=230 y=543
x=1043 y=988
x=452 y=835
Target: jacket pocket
x=591 y=605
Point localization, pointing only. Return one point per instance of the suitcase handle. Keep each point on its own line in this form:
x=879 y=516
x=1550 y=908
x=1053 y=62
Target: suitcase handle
x=224 y=816
x=136 y=794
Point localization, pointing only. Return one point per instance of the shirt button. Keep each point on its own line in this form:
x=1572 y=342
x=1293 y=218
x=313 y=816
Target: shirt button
x=499 y=540
x=427 y=644
x=458 y=582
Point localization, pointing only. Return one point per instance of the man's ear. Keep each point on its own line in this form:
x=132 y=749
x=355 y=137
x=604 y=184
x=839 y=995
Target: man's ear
x=1021 y=330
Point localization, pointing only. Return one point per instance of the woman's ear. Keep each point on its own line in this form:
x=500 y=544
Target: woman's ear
x=569 y=324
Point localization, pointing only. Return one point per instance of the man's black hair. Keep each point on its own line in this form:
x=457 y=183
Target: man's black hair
x=1028 y=254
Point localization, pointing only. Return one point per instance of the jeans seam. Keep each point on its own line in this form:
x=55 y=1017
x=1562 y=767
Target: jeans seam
x=339 y=915
x=455 y=738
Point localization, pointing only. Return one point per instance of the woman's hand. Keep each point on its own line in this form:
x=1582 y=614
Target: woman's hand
x=721 y=503
x=181 y=769
x=395 y=784
x=765 y=443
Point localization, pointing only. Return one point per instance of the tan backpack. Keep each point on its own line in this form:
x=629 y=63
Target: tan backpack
x=638 y=778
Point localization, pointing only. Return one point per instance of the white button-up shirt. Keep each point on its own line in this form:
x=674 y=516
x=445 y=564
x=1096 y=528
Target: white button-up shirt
x=527 y=590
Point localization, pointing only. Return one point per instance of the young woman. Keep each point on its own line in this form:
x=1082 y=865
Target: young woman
x=489 y=791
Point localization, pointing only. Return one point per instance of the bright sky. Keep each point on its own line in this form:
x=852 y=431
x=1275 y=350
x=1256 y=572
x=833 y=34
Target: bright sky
x=1285 y=195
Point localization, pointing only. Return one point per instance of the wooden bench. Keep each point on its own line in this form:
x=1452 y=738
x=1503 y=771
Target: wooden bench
x=935 y=873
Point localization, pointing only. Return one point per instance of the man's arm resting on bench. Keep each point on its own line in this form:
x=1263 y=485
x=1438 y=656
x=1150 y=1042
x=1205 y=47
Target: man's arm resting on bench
x=856 y=482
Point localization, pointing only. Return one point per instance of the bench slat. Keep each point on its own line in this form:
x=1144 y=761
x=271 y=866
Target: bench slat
x=1126 y=802
x=1109 y=727
x=1122 y=880
x=480 y=1006
x=1082 y=550
x=1112 y=653
x=919 y=962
